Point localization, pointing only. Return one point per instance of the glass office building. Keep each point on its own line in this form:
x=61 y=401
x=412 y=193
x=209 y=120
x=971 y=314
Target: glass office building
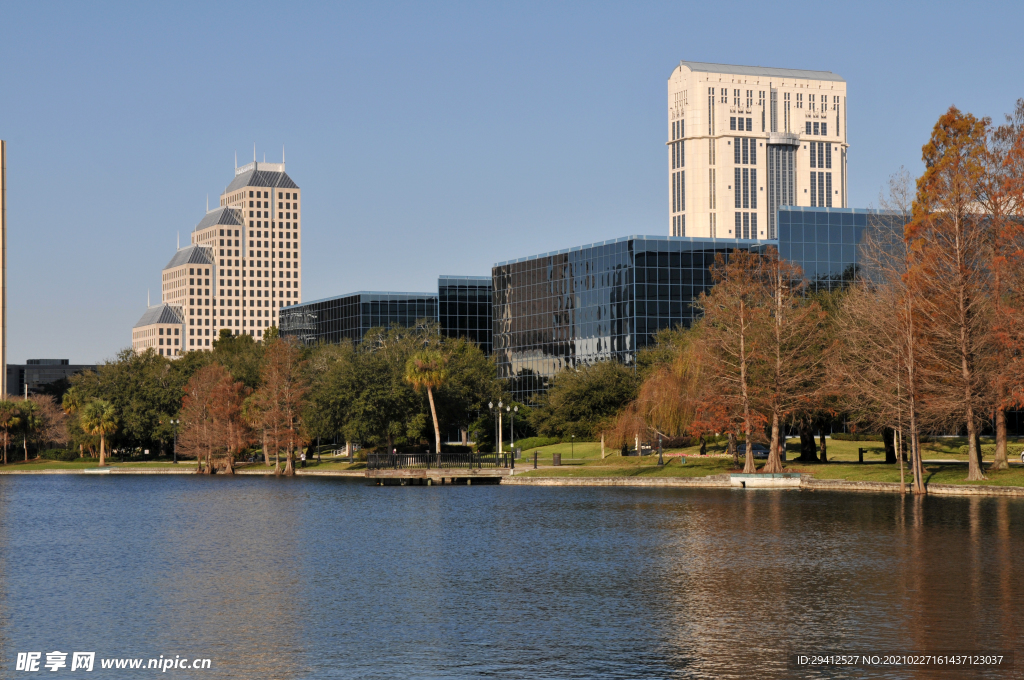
x=605 y=301
x=827 y=243
x=332 y=320
x=464 y=308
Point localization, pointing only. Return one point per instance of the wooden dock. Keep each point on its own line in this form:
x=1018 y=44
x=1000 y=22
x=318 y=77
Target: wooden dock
x=425 y=469
x=420 y=477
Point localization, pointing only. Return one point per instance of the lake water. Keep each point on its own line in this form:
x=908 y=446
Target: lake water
x=329 y=578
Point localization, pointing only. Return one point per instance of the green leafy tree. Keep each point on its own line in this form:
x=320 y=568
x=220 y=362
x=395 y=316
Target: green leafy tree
x=471 y=382
x=579 y=400
x=240 y=355
x=331 y=372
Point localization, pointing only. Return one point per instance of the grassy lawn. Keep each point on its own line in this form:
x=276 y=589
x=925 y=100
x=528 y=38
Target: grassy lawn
x=43 y=464
x=842 y=464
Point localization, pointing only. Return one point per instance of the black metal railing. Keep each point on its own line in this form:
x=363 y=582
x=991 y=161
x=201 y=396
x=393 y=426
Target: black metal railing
x=431 y=461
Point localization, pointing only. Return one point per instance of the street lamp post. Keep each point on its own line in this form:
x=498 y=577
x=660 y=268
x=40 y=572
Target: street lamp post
x=572 y=447
x=513 y=410
x=497 y=422
x=175 y=424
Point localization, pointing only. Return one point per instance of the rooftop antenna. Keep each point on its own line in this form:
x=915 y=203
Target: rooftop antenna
x=254 y=152
x=207 y=202
x=236 y=160
x=282 y=154
x=264 y=156
x=179 y=240
x=147 y=298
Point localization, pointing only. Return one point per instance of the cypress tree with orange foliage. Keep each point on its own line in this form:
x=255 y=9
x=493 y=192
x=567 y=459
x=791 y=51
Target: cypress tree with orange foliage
x=280 y=399
x=1001 y=194
x=734 y=342
x=950 y=247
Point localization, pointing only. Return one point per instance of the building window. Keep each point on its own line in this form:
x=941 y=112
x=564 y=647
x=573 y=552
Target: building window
x=739 y=225
x=828 y=189
x=714 y=225
x=732 y=122
x=807 y=129
x=799 y=100
x=816 y=128
x=814 y=189
x=746 y=225
x=824 y=129
x=746 y=188
x=711 y=188
x=753 y=187
x=724 y=93
x=828 y=155
x=711 y=110
x=736 y=97
x=821 y=189
x=810 y=99
x=736 y=188
x=736 y=150
x=814 y=154
x=750 y=98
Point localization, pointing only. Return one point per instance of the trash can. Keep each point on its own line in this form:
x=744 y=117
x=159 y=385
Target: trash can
x=556 y=459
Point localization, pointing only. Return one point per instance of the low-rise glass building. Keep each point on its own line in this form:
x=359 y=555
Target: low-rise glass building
x=464 y=308
x=332 y=320
x=605 y=301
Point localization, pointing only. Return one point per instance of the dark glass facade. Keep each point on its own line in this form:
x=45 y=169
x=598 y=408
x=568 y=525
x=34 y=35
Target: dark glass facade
x=607 y=300
x=602 y=301
x=827 y=242
x=464 y=308
x=350 y=316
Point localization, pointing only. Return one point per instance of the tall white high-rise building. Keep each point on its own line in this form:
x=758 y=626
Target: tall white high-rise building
x=744 y=140
x=241 y=267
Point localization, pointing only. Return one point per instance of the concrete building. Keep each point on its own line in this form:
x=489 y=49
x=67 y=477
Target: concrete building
x=259 y=261
x=241 y=267
x=162 y=329
x=746 y=140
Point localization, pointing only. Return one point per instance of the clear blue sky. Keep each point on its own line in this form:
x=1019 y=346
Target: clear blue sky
x=428 y=138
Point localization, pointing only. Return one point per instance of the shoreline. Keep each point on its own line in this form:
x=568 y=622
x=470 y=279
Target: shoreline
x=720 y=481
x=806 y=484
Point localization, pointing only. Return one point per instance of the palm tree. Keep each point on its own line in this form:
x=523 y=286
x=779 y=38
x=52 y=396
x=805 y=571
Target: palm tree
x=428 y=368
x=8 y=422
x=72 y=404
x=99 y=418
x=72 y=401
x=28 y=421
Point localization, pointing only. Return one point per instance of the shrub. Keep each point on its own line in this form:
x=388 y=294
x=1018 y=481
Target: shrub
x=989 y=450
x=59 y=454
x=855 y=437
x=534 y=442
